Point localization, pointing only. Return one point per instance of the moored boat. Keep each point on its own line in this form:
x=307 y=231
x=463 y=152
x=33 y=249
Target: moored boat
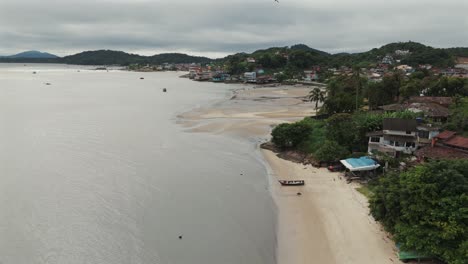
x=292 y=183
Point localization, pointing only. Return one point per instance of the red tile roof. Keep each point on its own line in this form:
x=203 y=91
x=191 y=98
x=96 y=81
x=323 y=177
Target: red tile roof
x=462 y=60
x=441 y=152
x=444 y=101
x=446 y=135
x=457 y=141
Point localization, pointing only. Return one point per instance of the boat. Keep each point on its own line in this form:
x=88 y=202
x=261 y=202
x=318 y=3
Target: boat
x=292 y=183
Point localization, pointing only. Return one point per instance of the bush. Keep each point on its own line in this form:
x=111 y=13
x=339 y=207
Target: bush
x=342 y=129
x=290 y=135
x=331 y=151
x=426 y=208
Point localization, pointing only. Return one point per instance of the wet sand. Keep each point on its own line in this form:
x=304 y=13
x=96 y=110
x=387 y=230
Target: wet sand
x=330 y=221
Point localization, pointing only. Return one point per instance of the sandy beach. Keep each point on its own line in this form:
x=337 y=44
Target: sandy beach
x=330 y=221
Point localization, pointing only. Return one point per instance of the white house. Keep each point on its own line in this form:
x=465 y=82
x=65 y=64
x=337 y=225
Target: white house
x=398 y=136
x=250 y=76
x=250 y=60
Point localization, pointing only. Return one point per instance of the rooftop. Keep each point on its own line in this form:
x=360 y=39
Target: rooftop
x=444 y=101
x=428 y=108
x=400 y=124
x=441 y=152
x=360 y=164
x=457 y=141
x=446 y=135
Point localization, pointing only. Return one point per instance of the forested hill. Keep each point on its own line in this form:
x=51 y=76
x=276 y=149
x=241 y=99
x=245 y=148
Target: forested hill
x=418 y=54
x=110 y=57
x=301 y=56
x=298 y=56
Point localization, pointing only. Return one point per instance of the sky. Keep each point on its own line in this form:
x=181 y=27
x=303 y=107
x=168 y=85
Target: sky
x=216 y=28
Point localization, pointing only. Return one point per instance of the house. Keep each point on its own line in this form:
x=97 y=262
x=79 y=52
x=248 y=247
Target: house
x=264 y=79
x=250 y=60
x=434 y=108
x=446 y=145
x=425 y=66
x=441 y=100
x=310 y=75
x=250 y=77
x=388 y=60
x=433 y=111
x=426 y=132
x=462 y=63
x=405 y=68
x=402 y=52
x=398 y=136
x=204 y=76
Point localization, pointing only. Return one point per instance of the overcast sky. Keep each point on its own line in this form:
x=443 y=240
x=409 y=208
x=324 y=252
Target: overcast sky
x=215 y=28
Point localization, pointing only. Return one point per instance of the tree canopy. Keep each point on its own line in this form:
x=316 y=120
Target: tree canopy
x=426 y=208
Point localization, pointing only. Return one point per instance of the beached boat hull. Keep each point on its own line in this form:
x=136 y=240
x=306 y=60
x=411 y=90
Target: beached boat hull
x=291 y=183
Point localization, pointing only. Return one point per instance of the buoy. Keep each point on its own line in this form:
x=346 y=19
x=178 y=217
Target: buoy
x=164 y=90
x=180 y=237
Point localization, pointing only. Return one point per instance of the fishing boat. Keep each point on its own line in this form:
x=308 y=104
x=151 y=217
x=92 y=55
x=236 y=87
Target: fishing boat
x=292 y=183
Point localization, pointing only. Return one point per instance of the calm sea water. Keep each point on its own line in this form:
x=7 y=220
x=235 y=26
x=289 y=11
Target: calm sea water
x=95 y=169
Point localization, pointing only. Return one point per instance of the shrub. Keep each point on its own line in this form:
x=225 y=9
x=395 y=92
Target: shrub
x=290 y=135
x=331 y=151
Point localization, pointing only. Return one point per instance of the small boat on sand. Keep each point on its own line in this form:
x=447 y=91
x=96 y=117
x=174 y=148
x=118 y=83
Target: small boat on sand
x=292 y=183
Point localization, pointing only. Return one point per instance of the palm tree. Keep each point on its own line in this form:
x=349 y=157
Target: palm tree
x=357 y=79
x=316 y=95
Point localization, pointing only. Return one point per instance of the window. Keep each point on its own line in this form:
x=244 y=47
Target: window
x=424 y=134
x=408 y=132
x=410 y=144
x=375 y=139
x=397 y=144
x=392 y=142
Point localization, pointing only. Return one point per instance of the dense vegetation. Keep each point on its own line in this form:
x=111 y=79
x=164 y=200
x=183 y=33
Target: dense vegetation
x=426 y=208
x=347 y=94
x=334 y=138
x=292 y=60
x=109 y=57
x=289 y=60
x=458 y=120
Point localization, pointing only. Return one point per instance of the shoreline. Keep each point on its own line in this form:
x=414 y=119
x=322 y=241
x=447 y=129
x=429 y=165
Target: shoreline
x=329 y=222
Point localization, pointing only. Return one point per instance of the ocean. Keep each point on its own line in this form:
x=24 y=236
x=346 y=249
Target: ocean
x=94 y=168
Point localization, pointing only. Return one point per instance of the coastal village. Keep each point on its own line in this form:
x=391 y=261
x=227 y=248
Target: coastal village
x=217 y=73
x=376 y=145
x=234 y=132
x=390 y=124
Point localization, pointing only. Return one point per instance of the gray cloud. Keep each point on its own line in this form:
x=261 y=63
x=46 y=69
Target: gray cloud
x=216 y=27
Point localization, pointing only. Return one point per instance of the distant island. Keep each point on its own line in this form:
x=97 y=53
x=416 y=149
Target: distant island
x=32 y=54
x=103 y=57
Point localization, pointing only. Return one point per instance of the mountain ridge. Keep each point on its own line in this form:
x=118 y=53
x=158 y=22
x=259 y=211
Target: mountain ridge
x=305 y=55
x=32 y=54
